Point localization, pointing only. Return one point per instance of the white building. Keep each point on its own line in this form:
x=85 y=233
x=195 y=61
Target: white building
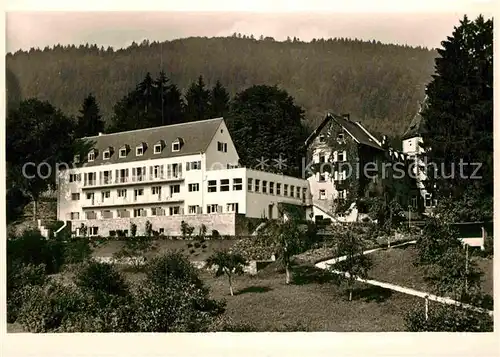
x=412 y=146
x=165 y=175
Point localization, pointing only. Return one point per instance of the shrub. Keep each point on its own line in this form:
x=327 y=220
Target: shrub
x=171 y=267
x=179 y=306
x=20 y=276
x=77 y=250
x=215 y=234
x=189 y=245
x=133 y=229
x=446 y=318
x=101 y=277
x=197 y=245
x=204 y=246
x=191 y=251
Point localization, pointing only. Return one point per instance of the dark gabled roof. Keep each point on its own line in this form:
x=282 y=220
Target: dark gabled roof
x=196 y=137
x=355 y=129
x=417 y=126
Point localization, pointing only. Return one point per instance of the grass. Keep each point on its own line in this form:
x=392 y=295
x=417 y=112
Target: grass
x=396 y=266
x=188 y=248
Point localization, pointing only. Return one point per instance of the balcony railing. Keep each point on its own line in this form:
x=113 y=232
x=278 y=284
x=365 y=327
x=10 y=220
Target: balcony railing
x=108 y=181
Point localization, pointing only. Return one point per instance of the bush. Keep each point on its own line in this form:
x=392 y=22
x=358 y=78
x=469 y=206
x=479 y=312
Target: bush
x=191 y=251
x=204 y=246
x=171 y=267
x=189 y=245
x=101 y=278
x=197 y=245
x=77 y=250
x=215 y=234
x=446 y=318
x=32 y=248
x=46 y=307
x=179 y=306
x=20 y=276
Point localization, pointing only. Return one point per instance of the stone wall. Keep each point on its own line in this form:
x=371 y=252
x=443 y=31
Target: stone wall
x=225 y=223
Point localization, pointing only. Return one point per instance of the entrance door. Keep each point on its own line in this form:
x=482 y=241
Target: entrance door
x=270 y=212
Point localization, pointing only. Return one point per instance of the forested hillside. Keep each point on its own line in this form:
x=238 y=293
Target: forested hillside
x=377 y=83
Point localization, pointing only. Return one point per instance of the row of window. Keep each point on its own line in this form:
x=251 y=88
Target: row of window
x=272 y=188
x=155 y=211
x=225 y=185
x=124 y=150
x=338 y=156
x=122 y=193
x=338 y=176
x=323 y=196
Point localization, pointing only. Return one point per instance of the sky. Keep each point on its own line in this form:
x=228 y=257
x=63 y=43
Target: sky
x=422 y=23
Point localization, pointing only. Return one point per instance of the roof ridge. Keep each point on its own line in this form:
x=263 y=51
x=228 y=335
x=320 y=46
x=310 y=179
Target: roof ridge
x=155 y=127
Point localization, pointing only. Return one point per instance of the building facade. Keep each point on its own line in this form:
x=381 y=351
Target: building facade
x=166 y=175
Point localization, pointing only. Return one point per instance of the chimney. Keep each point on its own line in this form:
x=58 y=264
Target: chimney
x=346 y=116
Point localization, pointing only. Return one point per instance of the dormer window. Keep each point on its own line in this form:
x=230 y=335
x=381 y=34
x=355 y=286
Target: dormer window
x=106 y=155
x=139 y=150
x=340 y=137
x=92 y=155
x=177 y=144
x=123 y=151
x=159 y=147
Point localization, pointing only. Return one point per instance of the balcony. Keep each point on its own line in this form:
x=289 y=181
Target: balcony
x=132 y=180
x=133 y=201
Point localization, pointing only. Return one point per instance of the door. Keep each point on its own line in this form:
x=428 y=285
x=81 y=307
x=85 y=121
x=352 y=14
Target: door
x=270 y=212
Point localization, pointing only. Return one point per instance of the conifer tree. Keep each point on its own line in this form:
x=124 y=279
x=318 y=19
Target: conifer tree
x=89 y=122
x=197 y=101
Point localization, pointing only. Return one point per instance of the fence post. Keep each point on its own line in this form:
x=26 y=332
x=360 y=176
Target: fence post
x=426 y=308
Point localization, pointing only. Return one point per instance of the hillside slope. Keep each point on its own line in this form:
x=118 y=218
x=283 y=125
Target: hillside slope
x=377 y=83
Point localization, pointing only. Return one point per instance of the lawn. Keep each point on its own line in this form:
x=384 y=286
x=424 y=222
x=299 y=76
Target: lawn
x=188 y=248
x=396 y=266
x=314 y=303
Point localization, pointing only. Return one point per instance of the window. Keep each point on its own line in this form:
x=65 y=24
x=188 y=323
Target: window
x=106 y=155
x=174 y=210
x=75 y=215
x=224 y=185
x=213 y=208
x=175 y=189
x=257 y=185
x=158 y=148
x=91 y=156
x=340 y=137
x=139 y=151
x=94 y=231
x=75 y=177
x=123 y=153
x=76 y=159
x=264 y=186
x=156 y=190
x=322 y=158
x=90 y=196
x=156 y=171
x=157 y=211
x=322 y=177
x=139 y=212
x=285 y=190
x=278 y=189
x=237 y=184
x=176 y=146
x=121 y=175
x=414 y=202
x=304 y=193
x=123 y=213
x=212 y=186
x=428 y=200
x=195 y=209
x=105 y=194
x=138 y=192
x=271 y=188
x=139 y=174
x=322 y=139
x=106 y=214
x=292 y=190
x=105 y=177
x=341 y=195
x=122 y=193
x=232 y=207
x=193 y=187
x=193 y=165
x=221 y=146
x=161 y=230
x=341 y=156
x=90 y=215
x=250 y=185
x=322 y=194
